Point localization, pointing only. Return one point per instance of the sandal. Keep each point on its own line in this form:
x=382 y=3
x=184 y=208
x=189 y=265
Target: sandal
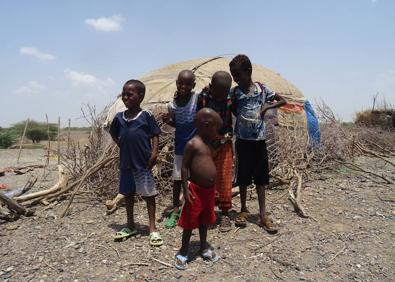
x=225 y=224
x=210 y=255
x=241 y=219
x=171 y=222
x=124 y=234
x=181 y=262
x=267 y=225
x=155 y=239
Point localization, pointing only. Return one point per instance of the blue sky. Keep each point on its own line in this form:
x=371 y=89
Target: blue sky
x=57 y=56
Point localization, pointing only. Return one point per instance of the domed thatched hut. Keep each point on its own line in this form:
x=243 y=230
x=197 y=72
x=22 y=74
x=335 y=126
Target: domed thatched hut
x=161 y=85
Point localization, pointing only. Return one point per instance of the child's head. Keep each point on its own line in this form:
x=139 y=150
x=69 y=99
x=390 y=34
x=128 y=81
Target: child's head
x=241 y=70
x=133 y=93
x=185 y=83
x=208 y=123
x=220 y=85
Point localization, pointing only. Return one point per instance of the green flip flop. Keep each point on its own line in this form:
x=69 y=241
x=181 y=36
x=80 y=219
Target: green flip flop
x=155 y=239
x=124 y=234
x=171 y=222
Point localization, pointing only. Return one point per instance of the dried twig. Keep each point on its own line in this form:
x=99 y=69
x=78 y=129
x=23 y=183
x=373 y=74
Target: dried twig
x=337 y=254
x=161 y=262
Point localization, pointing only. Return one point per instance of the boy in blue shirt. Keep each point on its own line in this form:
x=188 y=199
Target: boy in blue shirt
x=250 y=101
x=181 y=115
x=136 y=132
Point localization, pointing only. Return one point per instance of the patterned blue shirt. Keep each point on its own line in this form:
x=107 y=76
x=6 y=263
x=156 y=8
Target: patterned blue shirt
x=247 y=109
x=134 y=138
x=184 y=118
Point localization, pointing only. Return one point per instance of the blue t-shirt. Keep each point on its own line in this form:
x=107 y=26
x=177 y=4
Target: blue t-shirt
x=184 y=118
x=247 y=109
x=134 y=138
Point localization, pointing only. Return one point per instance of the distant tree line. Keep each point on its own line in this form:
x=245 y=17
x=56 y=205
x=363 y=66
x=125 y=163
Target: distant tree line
x=36 y=132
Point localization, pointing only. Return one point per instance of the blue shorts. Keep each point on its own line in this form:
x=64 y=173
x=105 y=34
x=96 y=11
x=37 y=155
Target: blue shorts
x=140 y=181
x=126 y=182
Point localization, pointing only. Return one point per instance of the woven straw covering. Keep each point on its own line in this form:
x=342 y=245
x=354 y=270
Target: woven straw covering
x=161 y=84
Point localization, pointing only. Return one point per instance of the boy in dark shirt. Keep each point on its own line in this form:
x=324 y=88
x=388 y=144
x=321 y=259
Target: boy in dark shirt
x=136 y=132
x=217 y=97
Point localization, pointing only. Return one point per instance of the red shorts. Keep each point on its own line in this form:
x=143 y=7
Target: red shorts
x=201 y=210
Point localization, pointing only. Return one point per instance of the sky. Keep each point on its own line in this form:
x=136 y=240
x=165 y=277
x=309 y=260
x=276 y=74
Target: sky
x=57 y=57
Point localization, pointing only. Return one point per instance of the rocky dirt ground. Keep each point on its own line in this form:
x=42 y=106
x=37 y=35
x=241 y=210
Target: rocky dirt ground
x=349 y=237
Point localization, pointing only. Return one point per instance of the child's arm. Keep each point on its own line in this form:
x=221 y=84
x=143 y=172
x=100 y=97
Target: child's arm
x=168 y=117
x=279 y=101
x=154 y=153
x=114 y=130
x=186 y=162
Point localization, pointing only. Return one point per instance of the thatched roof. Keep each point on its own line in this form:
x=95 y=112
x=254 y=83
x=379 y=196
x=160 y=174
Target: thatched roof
x=161 y=83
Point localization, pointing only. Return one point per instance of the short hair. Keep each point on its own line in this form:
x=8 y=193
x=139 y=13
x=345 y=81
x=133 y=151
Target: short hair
x=221 y=77
x=187 y=73
x=243 y=62
x=138 y=84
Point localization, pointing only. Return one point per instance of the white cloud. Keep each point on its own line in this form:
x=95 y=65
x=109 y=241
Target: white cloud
x=86 y=80
x=33 y=87
x=112 y=23
x=32 y=51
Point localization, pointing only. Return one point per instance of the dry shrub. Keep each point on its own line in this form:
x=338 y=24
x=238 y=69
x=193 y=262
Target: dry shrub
x=383 y=118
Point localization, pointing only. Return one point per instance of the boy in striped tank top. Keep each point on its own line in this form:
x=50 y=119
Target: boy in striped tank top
x=181 y=115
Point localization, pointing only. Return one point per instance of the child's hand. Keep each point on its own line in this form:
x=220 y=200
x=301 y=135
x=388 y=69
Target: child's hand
x=227 y=137
x=264 y=109
x=188 y=195
x=152 y=161
x=166 y=117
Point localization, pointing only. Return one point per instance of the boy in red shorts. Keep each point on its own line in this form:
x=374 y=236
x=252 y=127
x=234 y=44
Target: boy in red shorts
x=198 y=164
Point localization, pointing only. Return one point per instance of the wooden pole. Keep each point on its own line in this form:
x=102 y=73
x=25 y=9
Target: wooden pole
x=58 y=140
x=68 y=136
x=49 y=140
x=22 y=139
x=48 y=147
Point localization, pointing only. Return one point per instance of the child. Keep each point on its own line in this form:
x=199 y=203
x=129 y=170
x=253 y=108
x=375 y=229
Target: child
x=216 y=97
x=181 y=115
x=250 y=101
x=136 y=132
x=199 y=194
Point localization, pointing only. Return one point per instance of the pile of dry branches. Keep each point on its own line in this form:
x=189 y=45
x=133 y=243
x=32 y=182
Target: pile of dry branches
x=92 y=169
x=293 y=160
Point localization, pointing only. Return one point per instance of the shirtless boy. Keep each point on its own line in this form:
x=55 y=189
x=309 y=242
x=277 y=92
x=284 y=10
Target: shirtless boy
x=198 y=167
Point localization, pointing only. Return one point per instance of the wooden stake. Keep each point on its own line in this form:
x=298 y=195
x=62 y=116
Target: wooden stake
x=49 y=140
x=58 y=140
x=68 y=136
x=22 y=139
x=48 y=147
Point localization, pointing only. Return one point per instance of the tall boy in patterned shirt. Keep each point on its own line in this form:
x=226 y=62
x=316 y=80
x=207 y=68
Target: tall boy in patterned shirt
x=250 y=101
